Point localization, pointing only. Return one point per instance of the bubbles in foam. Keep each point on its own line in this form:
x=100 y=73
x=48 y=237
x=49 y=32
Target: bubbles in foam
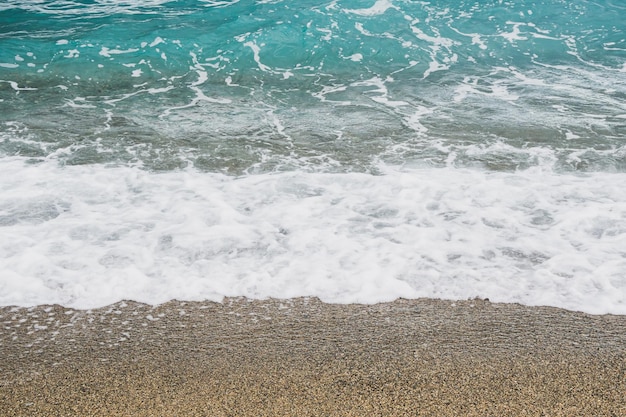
x=106 y=234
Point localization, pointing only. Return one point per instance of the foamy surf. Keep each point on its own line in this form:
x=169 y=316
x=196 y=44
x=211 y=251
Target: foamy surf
x=357 y=151
x=87 y=236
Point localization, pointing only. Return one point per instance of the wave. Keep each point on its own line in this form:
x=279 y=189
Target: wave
x=88 y=236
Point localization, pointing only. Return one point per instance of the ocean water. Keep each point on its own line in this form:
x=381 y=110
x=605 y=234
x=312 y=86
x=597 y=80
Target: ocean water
x=353 y=150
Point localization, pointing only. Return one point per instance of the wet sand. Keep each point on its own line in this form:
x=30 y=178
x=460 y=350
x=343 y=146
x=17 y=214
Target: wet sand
x=302 y=357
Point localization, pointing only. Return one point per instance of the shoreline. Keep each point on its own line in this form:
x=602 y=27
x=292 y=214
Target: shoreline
x=303 y=357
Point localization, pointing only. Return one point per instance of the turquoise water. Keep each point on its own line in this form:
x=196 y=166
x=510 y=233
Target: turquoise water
x=357 y=151
x=257 y=86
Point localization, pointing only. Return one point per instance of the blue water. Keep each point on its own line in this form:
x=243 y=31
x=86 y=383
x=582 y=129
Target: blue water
x=355 y=150
x=249 y=86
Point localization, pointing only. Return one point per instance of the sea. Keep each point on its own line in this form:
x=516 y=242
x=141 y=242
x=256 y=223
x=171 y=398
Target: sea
x=358 y=151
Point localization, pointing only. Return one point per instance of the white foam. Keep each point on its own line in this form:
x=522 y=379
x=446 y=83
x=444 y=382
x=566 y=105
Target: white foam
x=219 y=3
x=98 y=7
x=379 y=93
x=327 y=34
x=72 y=53
x=87 y=236
x=326 y=90
x=413 y=121
x=437 y=44
x=497 y=90
x=107 y=52
x=378 y=8
x=514 y=35
x=255 y=51
x=15 y=86
x=156 y=41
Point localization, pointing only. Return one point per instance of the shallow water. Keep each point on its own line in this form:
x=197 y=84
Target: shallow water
x=358 y=151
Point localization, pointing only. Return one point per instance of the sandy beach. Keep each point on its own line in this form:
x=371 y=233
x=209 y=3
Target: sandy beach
x=302 y=357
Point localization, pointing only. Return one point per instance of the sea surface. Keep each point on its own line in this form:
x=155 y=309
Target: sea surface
x=354 y=150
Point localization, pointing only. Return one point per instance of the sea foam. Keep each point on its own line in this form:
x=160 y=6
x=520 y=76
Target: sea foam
x=354 y=150
x=87 y=236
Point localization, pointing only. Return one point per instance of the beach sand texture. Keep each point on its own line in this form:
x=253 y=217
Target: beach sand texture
x=302 y=357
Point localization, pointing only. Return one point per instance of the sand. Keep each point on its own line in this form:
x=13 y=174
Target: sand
x=302 y=357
